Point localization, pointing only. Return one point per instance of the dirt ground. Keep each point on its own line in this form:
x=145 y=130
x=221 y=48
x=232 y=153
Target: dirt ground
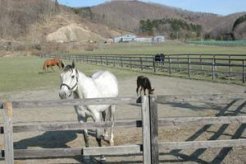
x=163 y=86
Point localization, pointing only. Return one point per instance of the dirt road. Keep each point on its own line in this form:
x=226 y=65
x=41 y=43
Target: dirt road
x=163 y=86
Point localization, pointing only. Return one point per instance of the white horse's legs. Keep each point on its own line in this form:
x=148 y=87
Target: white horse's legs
x=108 y=115
x=99 y=132
x=97 y=118
x=112 y=111
x=85 y=133
x=81 y=114
x=104 y=119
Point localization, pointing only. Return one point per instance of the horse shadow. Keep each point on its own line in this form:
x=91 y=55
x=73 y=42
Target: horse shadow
x=54 y=139
x=50 y=139
x=46 y=72
x=187 y=106
x=57 y=139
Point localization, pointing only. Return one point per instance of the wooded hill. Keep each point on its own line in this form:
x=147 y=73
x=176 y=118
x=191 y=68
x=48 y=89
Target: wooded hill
x=34 y=20
x=149 y=18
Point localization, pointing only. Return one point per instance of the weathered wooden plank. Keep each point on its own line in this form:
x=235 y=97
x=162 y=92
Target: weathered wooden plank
x=125 y=149
x=8 y=133
x=69 y=102
x=173 y=121
x=153 y=130
x=243 y=71
x=113 y=150
x=146 y=130
x=46 y=152
x=73 y=126
x=187 y=121
x=202 y=144
x=199 y=97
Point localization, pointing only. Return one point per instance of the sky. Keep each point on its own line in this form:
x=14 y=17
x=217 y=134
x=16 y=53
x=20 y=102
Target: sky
x=221 y=7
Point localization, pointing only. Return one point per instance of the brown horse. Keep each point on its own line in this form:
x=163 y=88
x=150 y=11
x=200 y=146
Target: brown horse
x=143 y=83
x=50 y=63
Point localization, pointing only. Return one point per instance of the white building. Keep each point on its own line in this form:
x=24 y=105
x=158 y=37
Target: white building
x=134 y=38
x=124 y=38
x=158 y=39
x=144 y=39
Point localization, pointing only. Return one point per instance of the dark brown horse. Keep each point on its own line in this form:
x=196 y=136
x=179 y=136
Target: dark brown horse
x=50 y=63
x=143 y=83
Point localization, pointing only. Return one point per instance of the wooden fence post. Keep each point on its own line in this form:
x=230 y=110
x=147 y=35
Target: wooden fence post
x=201 y=62
x=146 y=130
x=96 y=59
x=130 y=59
x=243 y=72
x=121 y=62
x=154 y=130
x=150 y=130
x=114 y=59
x=106 y=60
x=189 y=66
x=169 y=65
x=178 y=63
x=101 y=60
x=213 y=69
x=154 y=64
x=141 y=63
x=8 y=133
x=229 y=65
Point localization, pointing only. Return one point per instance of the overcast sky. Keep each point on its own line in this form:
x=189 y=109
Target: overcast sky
x=221 y=7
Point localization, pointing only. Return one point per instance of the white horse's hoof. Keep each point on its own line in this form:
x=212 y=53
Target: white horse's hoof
x=102 y=158
x=105 y=136
x=111 y=143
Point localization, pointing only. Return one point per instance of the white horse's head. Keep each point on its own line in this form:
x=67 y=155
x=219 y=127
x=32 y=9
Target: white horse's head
x=69 y=81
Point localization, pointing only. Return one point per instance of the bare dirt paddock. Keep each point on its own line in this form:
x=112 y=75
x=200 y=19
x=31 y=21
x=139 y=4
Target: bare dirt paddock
x=163 y=86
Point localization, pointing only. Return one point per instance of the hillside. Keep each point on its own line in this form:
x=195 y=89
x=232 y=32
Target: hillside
x=126 y=15
x=46 y=26
x=43 y=26
x=132 y=12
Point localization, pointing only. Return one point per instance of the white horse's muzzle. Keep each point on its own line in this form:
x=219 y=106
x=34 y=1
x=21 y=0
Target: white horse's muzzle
x=64 y=94
x=65 y=91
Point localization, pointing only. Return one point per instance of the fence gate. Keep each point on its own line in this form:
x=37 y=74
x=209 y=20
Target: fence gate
x=149 y=147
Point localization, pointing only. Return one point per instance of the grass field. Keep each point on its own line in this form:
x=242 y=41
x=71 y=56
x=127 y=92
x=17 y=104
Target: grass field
x=169 y=47
x=25 y=73
x=219 y=43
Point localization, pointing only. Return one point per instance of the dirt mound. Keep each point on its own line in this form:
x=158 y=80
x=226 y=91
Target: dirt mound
x=73 y=32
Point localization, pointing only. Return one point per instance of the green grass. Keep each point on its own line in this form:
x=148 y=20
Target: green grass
x=219 y=42
x=169 y=47
x=20 y=73
x=25 y=73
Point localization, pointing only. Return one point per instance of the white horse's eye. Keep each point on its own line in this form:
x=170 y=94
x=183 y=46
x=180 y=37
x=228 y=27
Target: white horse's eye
x=73 y=76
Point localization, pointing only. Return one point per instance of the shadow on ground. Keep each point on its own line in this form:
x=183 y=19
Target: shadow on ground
x=59 y=139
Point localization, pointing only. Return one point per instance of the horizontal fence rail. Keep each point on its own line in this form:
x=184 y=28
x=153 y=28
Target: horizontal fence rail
x=216 y=66
x=149 y=123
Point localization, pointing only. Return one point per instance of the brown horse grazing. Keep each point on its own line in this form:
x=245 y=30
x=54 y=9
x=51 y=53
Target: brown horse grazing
x=144 y=83
x=53 y=62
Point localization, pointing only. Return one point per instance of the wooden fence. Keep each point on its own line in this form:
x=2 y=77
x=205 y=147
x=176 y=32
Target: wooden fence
x=216 y=66
x=150 y=122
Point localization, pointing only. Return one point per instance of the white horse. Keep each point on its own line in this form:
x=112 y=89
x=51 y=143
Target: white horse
x=100 y=84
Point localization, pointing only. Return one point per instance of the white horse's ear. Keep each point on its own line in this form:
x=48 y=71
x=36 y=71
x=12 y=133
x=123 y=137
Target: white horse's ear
x=73 y=64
